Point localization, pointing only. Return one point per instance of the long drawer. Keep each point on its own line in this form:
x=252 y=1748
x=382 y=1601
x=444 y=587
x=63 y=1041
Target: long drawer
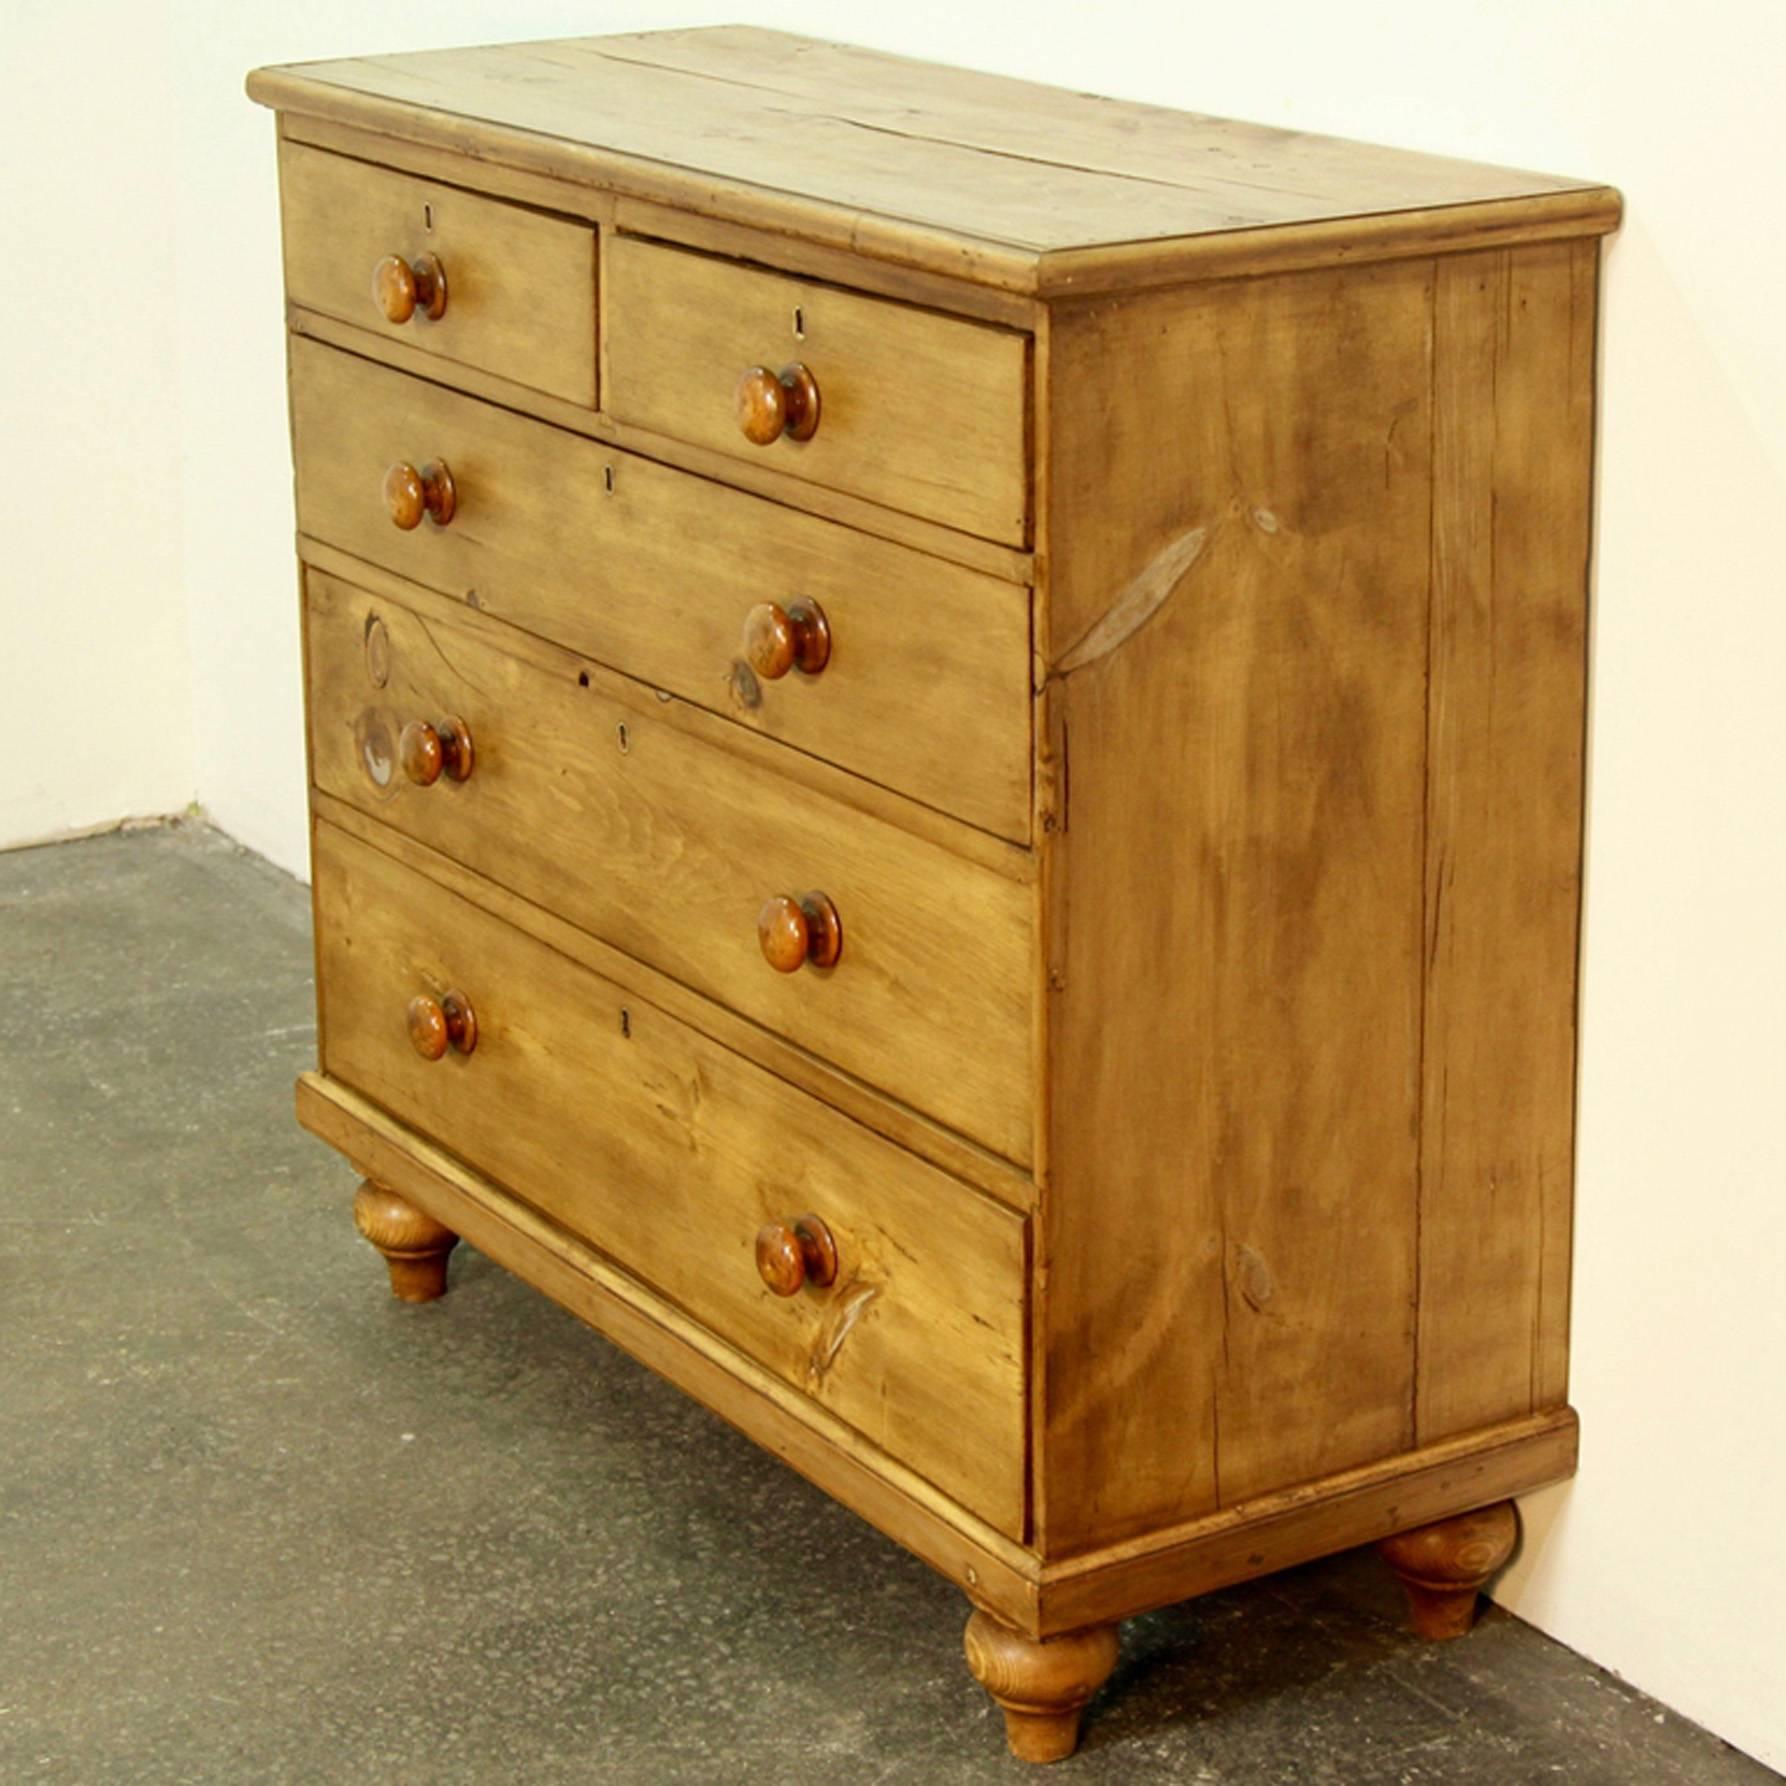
x=669 y=847
x=925 y=688
x=670 y=1153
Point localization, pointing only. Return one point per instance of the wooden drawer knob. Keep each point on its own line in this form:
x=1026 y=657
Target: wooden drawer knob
x=437 y=1024
x=410 y=494
x=793 y=932
x=778 y=639
x=427 y=751
x=402 y=287
x=771 y=404
x=791 y=1254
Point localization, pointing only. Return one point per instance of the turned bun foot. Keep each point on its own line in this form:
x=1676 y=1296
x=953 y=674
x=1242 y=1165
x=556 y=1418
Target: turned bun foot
x=1042 y=1685
x=1444 y=1566
x=415 y=1246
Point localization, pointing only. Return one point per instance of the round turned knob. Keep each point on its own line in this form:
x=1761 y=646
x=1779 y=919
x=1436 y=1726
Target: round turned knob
x=771 y=404
x=437 y=1024
x=790 y=1254
x=425 y=751
x=793 y=932
x=410 y=494
x=778 y=639
x=400 y=287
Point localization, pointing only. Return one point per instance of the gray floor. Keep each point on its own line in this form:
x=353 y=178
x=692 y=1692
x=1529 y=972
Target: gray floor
x=260 y=1523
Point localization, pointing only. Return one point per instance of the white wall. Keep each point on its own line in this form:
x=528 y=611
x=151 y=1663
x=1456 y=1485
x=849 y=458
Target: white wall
x=95 y=709
x=1666 y=1559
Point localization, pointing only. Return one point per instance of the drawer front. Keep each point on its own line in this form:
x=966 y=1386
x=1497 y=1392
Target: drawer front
x=670 y=1153
x=519 y=296
x=669 y=847
x=920 y=412
x=926 y=689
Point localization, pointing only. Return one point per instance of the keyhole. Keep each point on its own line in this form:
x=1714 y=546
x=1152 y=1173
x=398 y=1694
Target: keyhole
x=799 y=323
x=626 y=1022
x=621 y=734
x=428 y=218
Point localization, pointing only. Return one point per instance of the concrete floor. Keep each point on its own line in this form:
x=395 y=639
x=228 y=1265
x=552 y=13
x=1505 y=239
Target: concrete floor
x=258 y=1522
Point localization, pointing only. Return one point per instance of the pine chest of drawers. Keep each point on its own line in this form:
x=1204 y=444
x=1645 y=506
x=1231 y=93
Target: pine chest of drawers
x=946 y=750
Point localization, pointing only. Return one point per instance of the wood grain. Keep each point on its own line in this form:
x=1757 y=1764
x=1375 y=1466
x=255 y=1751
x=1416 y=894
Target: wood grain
x=757 y=476
x=964 y=174
x=1094 y=596
x=668 y=847
x=381 y=149
x=1313 y=1519
x=911 y=1129
x=1042 y=1686
x=522 y=284
x=786 y=253
x=1230 y=1268
x=640 y=217
x=1039 y=1599
x=1445 y=1566
x=670 y=1154
x=1513 y=468
x=655 y=572
x=749 y=747
x=807 y=1436
x=415 y=1246
x=918 y=411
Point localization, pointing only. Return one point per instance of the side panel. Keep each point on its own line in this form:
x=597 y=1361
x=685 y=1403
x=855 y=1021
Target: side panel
x=1238 y=548
x=1316 y=567
x=1513 y=470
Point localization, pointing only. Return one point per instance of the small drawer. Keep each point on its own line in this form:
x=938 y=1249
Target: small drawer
x=471 y=280
x=917 y=411
x=925 y=683
x=688 y=857
x=674 y=1155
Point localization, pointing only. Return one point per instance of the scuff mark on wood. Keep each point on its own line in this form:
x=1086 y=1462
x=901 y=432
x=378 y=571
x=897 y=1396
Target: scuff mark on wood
x=1256 y=1284
x=847 y=1308
x=1146 y=593
x=375 y=745
x=746 y=691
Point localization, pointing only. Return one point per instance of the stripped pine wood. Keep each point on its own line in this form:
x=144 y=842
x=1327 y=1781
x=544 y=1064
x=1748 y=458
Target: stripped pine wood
x=1312 y=1519
x=669 y=1153
x=913 y=1131
x=543 y=192
x=765 y=754
x=918 y=411
x=642 y=567
x=972 y=175
x=668 y=847
x=796 y=1427
x=520 y=285
x=1241 y=608
x=1513 y=464
x=872 y=519
x=1028 y=652
x=812 y=260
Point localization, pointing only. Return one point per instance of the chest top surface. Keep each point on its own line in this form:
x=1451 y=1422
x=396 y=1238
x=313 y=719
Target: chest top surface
x=1005 y=181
